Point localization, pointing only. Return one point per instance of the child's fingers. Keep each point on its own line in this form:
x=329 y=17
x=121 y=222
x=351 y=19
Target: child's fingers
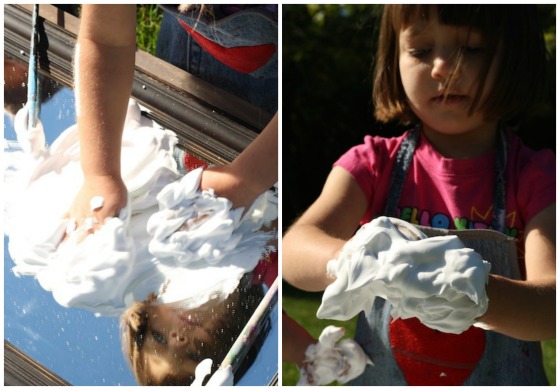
x=77 y=231
x=79 y=227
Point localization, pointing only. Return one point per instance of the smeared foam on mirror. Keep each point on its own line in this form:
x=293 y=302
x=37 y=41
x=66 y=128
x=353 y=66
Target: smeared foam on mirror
x=114 y=265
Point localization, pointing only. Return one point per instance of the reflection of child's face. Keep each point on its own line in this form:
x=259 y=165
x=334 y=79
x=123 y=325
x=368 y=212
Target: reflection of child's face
x=177 y=339
x=164 y=342
x=428 y=51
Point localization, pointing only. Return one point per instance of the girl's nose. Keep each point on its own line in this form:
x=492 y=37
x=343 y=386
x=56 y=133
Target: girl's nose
x=441 y=67
x=178 y=338
x=444 y=64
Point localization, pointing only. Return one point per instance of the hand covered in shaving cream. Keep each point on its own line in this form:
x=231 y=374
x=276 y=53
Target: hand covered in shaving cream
x=99 y=198
x=332 y=359
x=436 y=280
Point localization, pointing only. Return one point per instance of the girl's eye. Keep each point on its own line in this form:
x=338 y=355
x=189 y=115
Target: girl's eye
x=419 y=53
x=472 y=49
x=158 y=338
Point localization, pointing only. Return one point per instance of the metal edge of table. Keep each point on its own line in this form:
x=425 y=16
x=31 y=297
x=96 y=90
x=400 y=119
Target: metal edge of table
x=22 y=370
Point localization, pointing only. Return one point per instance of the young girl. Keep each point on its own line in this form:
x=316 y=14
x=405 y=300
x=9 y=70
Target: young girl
x=164 y=343
x=453 y=73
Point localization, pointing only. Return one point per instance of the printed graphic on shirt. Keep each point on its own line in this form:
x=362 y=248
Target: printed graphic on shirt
x=476 y=220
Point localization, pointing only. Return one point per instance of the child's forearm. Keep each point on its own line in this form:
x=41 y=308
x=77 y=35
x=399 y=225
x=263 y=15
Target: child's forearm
x=306 y=252
x=253 y=172
x=525 y=310
x=258 y=163
x=295 y=341
x=104 y=71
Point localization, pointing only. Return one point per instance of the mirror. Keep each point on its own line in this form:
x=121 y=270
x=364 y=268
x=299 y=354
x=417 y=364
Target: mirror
x=73 y=343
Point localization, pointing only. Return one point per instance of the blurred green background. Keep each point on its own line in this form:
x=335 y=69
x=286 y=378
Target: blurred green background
x=148 y=20
x=327 y=65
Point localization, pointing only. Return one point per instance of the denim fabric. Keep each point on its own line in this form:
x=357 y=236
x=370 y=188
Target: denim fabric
x=244 y=28
x=506 y=361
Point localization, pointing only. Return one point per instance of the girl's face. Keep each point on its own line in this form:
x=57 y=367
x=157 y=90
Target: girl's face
x=428 y=53
x=178 y=339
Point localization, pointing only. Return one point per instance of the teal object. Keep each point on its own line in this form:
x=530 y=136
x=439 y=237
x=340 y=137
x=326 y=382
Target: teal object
x=33 y=85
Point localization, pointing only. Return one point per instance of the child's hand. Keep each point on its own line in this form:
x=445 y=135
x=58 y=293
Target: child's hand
x=436 y=280
x=100 y=197
x=332 y=359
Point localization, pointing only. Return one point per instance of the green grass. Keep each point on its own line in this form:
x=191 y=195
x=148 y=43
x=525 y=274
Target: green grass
x=148 y=21
x=302 y=308
x=549 y=355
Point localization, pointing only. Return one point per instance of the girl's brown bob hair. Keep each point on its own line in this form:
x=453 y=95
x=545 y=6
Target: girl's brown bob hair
x=514 y=29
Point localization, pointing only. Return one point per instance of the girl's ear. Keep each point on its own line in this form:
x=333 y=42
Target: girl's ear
x=136 y=317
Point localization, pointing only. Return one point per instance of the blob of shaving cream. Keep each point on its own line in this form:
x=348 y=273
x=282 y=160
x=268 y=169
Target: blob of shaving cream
x=332 y=359
x=437 y=280
x=96 y=203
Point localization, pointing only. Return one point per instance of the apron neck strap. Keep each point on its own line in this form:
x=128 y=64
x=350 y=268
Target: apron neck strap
x=402 y=165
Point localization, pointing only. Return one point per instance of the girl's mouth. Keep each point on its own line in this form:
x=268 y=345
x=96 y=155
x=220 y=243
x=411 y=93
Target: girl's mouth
x=189 y=321
x=450 y=99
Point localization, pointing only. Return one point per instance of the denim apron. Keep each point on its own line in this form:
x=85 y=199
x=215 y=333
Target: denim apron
x=406 y=352
x=236 y=52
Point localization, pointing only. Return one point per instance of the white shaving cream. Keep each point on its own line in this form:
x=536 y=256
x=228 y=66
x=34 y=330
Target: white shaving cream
x=436 y=280
x=196 y=255
x=332 y=359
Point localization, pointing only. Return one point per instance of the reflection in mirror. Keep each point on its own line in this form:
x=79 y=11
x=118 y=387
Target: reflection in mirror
x=175 y=310
x=166 y=342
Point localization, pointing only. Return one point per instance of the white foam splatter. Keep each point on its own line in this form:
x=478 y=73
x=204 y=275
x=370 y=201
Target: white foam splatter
x=96 y=203
x=113 y=265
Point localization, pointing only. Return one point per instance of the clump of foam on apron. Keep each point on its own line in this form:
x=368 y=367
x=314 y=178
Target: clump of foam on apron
x=436 y=280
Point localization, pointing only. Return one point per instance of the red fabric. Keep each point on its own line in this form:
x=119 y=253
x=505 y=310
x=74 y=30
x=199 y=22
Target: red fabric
x=266 y=270
x=447 y=360
x=191 y=162
x=244 y=59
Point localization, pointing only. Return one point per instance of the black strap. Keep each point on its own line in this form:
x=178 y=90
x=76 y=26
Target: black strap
x=499 y=211
x=400 y=170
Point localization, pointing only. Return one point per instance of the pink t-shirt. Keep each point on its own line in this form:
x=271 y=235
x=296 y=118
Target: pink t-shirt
x=454 y=193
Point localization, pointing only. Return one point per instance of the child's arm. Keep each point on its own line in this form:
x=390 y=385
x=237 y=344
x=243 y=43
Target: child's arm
x=295 y=341
x=104 y=71
x=320 y=233
x=253 y=172
x=527 y=309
